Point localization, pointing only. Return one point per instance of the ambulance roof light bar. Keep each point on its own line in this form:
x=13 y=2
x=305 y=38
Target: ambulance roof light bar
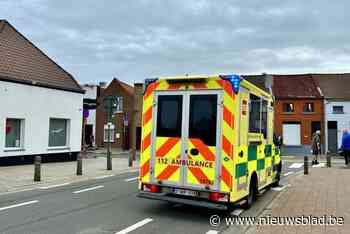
x=235 y=81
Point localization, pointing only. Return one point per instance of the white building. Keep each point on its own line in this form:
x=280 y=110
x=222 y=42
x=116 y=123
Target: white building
x=41 y=103
x=92 y=92
x=336 y=92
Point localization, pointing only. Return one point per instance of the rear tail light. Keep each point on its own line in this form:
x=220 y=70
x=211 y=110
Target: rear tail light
x=151 y=188
x=215 y=196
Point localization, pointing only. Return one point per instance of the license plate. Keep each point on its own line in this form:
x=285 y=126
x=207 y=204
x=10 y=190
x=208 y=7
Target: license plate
x=186 y=192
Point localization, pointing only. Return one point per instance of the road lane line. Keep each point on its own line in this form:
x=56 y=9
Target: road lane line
x=296 y=165
x=103 y=177
x=54 y=186
x=135 y=226
x=237 y=212
x=18 y=205
x=88 y=189
x=212 y=232
x=288 y=173
x=278 y=189
x=131 y=179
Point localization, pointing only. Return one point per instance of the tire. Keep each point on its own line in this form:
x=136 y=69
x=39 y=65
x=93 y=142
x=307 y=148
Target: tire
x=253 y=189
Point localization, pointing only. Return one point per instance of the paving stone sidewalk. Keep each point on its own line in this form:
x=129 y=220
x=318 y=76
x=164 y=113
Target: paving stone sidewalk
x=20 y=177
x=325 y=191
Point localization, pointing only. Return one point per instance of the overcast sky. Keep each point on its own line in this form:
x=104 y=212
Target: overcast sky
x=135 y=39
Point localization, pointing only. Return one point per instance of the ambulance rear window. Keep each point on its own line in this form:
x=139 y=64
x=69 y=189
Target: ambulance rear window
x=202 y=124
x=169 y=117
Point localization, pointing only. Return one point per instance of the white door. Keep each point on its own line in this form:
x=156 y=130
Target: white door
x=291 y=134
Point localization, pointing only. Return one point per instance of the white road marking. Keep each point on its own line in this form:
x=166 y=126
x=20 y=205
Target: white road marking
x=237 y=212
x=278 y=189
x=88 y=189
x=105 y=176
x=18 y=205
x=131 y=179
x=318 y=165
x=212 y=232
x=296 y=165
x=135 y=226
x=288 y=173
x=54 y=186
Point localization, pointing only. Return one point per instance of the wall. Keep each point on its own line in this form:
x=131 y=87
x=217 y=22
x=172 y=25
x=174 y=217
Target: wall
x=305 y=120
x=114 y=89
x=36 y=105
x=342 y=119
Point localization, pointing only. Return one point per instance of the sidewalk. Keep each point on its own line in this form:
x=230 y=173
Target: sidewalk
x=17 y=178
x=325 y=191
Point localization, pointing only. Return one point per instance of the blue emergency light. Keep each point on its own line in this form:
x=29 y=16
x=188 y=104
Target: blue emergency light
x=235 y=81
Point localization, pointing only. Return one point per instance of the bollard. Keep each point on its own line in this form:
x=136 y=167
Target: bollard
x=132 y=157
x=37 y=168
x=306 y=165
x=79 y=164
x=109 y=160
x=329 y=160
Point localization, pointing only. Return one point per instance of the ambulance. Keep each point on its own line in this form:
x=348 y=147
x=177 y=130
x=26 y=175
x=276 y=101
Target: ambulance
x=207 y=141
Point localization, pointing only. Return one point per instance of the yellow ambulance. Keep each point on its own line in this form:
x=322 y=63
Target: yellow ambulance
x=207 y=141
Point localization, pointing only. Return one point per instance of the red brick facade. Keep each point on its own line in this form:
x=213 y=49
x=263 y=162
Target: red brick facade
x=298 y=90
x=305 y=119
x=119 y=89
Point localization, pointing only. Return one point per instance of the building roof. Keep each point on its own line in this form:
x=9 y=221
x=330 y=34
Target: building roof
x=126 y=87
x=334 y=86
x=27 y=64
x=258 y=80
x=299 y=86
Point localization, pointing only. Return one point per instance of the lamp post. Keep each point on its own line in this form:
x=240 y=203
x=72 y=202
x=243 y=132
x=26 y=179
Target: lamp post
x=110 y=104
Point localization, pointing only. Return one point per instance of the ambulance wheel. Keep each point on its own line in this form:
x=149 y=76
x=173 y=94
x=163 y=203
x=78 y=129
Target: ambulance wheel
x=253 y=191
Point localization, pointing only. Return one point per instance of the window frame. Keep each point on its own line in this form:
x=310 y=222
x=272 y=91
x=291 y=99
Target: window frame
x=67 y=134
x=306 y=105
x=268 y=106
x=21 y=136
x=160 y=132
x=338 y=112
x=288 y=112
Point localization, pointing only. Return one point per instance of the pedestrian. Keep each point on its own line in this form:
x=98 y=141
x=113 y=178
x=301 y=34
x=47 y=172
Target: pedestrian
x=316 y=146
x=345 y=146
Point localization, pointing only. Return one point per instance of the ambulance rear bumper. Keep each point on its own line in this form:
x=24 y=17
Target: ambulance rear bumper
x=181 y=200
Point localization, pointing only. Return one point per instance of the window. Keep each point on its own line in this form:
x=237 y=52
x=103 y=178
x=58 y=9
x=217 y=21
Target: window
x=338 y=109
x=288 y=107
x=254 y=114
x=14 y=133
x=169 y=117
x=264 y=111
x=119 y=103
x=203 y=115
x=58 y=132
x=258 y=115
x=111 y=133
x=308 y=107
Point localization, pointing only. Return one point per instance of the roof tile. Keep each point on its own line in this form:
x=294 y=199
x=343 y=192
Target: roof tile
x=24 y=62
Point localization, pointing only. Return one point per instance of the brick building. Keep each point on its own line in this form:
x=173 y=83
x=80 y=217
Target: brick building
x=299 y=111
x=122 y=121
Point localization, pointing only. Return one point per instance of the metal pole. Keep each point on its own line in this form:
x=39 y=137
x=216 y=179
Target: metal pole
x=109 y=158
x=37 y=168
x=306 y=165
x=79 y=164
x=329 y=160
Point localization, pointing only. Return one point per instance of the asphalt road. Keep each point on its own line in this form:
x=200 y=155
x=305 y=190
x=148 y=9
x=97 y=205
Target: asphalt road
x=108 y=205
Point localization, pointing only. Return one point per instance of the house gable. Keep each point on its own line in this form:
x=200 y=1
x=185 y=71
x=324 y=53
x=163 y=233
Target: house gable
x=27 y=64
